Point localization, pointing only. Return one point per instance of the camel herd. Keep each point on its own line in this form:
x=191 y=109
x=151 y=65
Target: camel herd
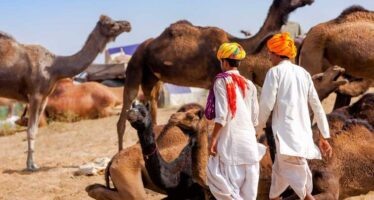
x=171 y=159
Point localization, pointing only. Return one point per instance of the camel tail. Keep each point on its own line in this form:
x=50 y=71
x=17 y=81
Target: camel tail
x=107 y=177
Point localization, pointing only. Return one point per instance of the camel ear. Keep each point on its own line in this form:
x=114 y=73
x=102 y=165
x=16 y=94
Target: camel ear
x=104 y=18
x=133 y=104
x=148 y=106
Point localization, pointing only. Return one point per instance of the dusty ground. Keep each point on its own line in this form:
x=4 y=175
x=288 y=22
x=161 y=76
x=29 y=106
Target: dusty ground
x=60 y=149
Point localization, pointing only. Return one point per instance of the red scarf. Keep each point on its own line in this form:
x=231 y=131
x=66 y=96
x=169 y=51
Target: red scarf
x=231 y=92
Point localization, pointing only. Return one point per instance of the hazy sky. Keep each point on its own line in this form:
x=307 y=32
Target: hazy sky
x=62 y=26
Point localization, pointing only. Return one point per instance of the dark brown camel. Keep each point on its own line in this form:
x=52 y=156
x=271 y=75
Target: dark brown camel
x=186 y=55
x=127 y=169
x=173 y=177
x=28 y=73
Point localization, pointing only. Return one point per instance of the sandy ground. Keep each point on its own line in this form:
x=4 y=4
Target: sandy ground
x=60 y=149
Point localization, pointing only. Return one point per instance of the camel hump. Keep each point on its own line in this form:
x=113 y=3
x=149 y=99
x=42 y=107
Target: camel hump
x=179 y=28
x=183 y=21
x=352 y=9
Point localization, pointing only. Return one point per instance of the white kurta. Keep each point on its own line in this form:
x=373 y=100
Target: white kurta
x=287 y=91
x=237 y=142
x=234 y=172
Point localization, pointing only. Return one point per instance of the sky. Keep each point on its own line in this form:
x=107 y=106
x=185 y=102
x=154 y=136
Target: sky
x=62 y=26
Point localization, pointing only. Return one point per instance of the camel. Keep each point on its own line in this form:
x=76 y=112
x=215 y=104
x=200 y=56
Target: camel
x=345 y=41
x=185 y=55
x=127 y=168
x=89 y=100
x=349 y=171
x=29 y=72
x=70 y=102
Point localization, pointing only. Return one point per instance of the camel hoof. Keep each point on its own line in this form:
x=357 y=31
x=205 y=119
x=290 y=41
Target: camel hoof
x=32 y=167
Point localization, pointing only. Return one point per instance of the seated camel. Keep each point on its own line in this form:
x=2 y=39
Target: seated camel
x=351 y=168
x=73 y=102
x=129 y=172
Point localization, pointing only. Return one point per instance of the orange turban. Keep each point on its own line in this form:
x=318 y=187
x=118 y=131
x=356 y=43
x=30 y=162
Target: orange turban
x=231 y=50
x=282 y=44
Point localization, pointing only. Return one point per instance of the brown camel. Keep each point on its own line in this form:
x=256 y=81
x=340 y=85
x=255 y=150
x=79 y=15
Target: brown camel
x=185 y=55
x=29 y=72
x=347 y=42
x=71 y=102
x=350 y=170
x=89 y=100
x=128 y=171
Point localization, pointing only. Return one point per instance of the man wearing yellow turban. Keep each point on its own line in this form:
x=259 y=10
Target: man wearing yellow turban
x=287 y=91
x=233 y=165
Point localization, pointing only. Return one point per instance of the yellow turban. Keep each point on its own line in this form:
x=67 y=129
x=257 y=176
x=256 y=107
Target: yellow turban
x=282 y=44
x=231 y=50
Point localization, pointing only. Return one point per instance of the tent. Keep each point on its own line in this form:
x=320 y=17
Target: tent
x=174 y=95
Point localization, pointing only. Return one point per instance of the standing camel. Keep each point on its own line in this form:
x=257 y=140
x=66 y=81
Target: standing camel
x=347 y=41
x=28 y=73
x=185 y=55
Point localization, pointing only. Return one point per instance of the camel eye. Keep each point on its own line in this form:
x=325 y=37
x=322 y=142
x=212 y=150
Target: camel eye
x=142 y=112
x=190 y=116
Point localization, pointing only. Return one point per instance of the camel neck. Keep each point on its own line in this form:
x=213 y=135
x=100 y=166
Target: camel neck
x=152 y=158
x=277 y=16
x=69 y=66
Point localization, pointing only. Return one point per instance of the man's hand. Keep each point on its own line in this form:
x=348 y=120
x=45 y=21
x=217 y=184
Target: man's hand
x=213 y=147
x=325 y=147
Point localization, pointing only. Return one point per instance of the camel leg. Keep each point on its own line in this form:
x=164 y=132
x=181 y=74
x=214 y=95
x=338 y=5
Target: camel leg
x=129 y=94
x=151 y=89
x=341 y=100
x=100 y=192
x=36 y=104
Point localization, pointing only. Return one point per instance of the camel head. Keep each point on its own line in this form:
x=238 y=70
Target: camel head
x=111 y=28
x=299 y=3
x=139 y=116
x=188 y=117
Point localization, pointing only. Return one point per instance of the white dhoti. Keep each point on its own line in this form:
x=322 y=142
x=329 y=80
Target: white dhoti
x=290 y=171
x=232 y=182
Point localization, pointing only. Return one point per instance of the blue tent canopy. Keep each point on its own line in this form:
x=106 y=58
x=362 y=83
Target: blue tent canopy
x=129 y=50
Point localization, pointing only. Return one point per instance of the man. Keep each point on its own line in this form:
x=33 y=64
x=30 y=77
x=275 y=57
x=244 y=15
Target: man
x=233 y=167
x=287 y=91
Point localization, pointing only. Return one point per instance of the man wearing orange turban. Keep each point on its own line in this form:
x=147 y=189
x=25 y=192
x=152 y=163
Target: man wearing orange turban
x=287 y=91
x=233 y=165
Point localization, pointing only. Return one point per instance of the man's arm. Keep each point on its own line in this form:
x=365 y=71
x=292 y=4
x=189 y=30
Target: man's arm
x=254 y=105
x=317 y=109
x=267 y=99
x=321 y=119
x=221 y=110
